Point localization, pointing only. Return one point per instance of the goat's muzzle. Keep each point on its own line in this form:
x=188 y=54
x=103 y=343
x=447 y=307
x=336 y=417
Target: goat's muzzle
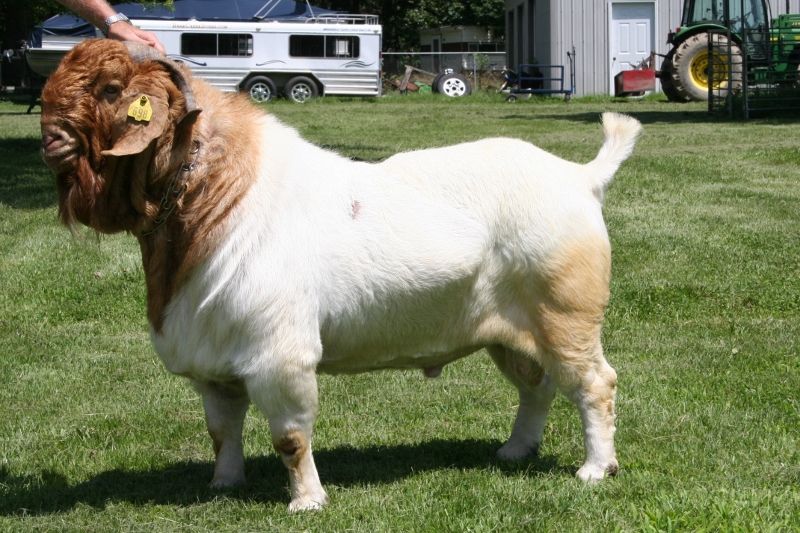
x=59 y=147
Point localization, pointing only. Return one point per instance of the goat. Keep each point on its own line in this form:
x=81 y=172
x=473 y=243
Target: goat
x=268 y=259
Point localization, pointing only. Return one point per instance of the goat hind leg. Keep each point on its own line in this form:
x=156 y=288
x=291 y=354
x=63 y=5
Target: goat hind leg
x=567 y=324
x=595 y=400
x=590 y=382
x=536 y=392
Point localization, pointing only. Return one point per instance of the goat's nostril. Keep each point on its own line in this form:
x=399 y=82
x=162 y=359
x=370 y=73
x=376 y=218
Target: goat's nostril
x=53 y=145
x=48 y=139
x=59 y=148
x=55 y=141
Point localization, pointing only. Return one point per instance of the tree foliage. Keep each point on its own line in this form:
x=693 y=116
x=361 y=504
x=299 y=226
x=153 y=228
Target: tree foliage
x=402 y=19
x=17 y=18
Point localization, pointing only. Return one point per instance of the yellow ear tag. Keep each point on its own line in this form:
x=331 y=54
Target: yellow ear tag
x=140 y=109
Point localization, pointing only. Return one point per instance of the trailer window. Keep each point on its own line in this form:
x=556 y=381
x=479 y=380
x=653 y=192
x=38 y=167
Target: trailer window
x=323 y=46
x=217 y=44
x=307 y=45
x=341 y=46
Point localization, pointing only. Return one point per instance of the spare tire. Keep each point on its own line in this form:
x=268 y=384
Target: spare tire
x=454 y=85
x=435 y=82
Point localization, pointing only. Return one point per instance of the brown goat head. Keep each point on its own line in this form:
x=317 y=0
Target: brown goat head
x=115 y=127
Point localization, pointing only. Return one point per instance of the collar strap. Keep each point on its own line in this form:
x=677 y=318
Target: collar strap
x=174 y=190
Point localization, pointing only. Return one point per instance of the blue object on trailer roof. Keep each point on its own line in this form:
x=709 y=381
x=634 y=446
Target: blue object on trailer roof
x=236 y=10
x=228 y=10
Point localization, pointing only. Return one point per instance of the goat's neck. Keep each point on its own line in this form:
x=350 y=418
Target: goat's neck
x=223 y=171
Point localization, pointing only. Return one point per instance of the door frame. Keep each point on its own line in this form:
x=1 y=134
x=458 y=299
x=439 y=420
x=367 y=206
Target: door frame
x=653 y=35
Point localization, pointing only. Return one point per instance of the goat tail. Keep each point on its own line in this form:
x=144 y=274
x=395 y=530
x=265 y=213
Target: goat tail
x=620 y=132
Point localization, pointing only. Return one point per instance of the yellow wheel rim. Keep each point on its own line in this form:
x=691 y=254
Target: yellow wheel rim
x=698 y=71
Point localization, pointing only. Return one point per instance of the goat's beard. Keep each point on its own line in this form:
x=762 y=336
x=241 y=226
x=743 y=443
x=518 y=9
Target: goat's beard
x=109 y=197
x=78 y=190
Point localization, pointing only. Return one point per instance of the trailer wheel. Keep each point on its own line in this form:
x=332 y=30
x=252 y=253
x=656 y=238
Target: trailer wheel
x=301 y=89
x=260 y=88
x=665 y=76
x=692 y=63
x=454 y=85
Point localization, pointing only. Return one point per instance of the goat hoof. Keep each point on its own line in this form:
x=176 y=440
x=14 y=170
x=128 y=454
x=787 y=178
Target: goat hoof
x=592 y=474
x=221 y=483
x=432 y=371
x=307 y=504
x=516 y=452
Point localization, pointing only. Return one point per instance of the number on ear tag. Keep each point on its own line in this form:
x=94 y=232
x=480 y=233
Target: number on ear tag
x=140 y=109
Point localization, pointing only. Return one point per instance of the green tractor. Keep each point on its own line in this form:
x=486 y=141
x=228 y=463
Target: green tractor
x=692 y=65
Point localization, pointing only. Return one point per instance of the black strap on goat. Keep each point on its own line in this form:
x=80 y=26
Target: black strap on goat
x=177 y=186
x=174 y=190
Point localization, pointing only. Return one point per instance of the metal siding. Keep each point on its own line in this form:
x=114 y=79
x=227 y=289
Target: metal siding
x=779 y=6
x=556 y=19
x=599 y=47
x=544 y=31
x=584 y=26
x=668 y=15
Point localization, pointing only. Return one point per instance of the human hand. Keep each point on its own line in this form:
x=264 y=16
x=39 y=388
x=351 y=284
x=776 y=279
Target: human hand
x=123 y=31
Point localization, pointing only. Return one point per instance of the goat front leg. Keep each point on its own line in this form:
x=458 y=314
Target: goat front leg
x=225 y=406
x=287 y=394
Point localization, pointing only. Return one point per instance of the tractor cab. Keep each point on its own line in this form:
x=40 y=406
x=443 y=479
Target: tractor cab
x=736 y=15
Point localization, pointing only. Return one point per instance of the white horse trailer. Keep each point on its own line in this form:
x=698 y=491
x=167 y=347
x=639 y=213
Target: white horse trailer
x=325 y=55
x=337 y=54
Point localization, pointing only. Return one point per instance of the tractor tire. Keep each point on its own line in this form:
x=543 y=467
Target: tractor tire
x=665 y=76
x=691 y=62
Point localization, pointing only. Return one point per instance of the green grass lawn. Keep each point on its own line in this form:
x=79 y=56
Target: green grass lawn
x=703 y=329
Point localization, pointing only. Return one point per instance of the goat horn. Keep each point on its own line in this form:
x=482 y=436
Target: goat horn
x=142 y=52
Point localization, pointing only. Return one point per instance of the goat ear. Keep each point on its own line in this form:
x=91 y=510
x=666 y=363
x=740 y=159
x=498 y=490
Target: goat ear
x=139 y=119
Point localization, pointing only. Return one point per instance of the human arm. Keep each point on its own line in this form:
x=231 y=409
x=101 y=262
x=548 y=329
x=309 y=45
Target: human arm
x=97 y=11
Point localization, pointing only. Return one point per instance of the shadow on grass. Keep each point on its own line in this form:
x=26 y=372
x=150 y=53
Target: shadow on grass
x=25 y=181
x=186 y=483
x=667 y=116
x=645 y=117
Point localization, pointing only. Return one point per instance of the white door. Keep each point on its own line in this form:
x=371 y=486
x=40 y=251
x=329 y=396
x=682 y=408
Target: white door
x=632 y=37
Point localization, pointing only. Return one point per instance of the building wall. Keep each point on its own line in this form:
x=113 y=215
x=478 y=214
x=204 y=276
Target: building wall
x=779 y=6
x=451 y=39
x=457 y=34
x=558 y=25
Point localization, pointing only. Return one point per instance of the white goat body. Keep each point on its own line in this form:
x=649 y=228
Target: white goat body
x=388 y=265
x=309 y=262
